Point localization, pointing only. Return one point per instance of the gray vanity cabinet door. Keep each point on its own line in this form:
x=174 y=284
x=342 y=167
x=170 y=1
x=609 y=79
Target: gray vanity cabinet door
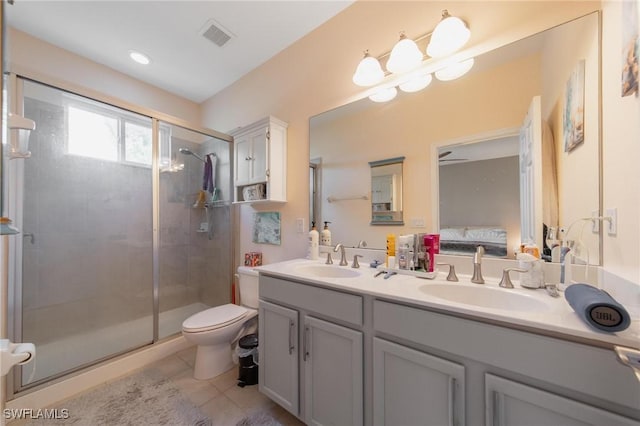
x=332 y=355
x=414 y=388
x=509 y=403
x=278 y=354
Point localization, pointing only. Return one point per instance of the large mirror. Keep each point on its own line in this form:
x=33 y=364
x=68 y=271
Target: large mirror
x=460 y=119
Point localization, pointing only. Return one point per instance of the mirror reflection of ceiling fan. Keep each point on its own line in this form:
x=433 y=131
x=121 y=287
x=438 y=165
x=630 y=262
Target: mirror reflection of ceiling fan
x=445 y=153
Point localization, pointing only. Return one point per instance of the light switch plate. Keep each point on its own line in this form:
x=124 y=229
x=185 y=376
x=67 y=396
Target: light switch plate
x=300 y=225
x=595 y=223
x=612 y=223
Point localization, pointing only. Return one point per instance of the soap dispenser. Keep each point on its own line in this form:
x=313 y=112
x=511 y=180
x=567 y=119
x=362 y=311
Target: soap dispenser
x=314 y=236
x=325 y=235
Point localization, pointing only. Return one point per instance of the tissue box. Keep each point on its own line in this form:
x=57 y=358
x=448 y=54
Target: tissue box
x=253 y=258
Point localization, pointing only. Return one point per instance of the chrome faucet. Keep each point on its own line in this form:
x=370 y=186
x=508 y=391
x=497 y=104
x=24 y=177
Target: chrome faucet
x=343 y=255
x=477 y=266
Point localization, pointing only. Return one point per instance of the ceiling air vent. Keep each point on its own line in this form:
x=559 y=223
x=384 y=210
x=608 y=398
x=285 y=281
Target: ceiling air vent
x=216 y=33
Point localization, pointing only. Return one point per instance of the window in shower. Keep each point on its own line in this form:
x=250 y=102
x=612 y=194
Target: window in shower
x=109 y=134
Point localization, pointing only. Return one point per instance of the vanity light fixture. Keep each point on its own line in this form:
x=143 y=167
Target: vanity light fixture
x=416 y=83
x=408 y=68
x=384 y=94
x=139 y=57
x=369 y=71
x=405 y=56
x=454 y=70
x=449 y=36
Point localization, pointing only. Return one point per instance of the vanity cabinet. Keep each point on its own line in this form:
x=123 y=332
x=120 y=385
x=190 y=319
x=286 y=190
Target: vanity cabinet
x=278 y=331
x=414 y=388
x=511 y=403
x=311 y=366
x=260 y=156
x=512 y=377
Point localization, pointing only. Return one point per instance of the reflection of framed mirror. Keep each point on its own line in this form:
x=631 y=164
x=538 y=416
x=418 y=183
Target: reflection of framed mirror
x=386 y=191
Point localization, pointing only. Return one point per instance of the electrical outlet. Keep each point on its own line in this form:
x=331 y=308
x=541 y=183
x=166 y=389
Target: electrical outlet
x=612 y=222
x=595 y=223
x=300 y=225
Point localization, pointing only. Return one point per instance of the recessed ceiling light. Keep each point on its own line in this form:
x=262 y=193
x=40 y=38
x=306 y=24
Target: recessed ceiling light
x=140 y=58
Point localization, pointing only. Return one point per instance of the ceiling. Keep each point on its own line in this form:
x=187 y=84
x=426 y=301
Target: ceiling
x=183 y=62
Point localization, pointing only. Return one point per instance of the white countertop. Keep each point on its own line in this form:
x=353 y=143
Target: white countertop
x=558 y=319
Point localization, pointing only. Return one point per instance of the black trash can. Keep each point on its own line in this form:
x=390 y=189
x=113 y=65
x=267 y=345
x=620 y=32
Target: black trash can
x=247 y=357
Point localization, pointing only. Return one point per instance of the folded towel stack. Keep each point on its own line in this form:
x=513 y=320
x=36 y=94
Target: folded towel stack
x=597 y=308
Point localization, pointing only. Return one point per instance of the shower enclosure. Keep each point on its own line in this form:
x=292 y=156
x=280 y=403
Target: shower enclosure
x=118 y=246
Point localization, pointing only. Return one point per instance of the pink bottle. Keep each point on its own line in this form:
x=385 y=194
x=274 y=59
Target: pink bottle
x=430 y=247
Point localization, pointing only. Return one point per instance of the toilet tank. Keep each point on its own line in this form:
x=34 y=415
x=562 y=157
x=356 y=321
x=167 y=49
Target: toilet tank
x=248 y=284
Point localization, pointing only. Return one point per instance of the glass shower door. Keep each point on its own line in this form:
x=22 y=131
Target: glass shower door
x=194 y=226
x=84 y=204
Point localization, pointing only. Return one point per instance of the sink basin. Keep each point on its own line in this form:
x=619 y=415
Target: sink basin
x=327 y=271
x=486 y=297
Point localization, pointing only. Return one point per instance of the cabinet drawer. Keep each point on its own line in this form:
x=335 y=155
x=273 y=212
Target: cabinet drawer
x=333 y=304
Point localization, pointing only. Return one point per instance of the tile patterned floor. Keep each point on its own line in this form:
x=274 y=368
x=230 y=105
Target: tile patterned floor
x=219 y=398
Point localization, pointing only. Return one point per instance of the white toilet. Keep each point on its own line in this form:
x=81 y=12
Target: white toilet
x=215 y=330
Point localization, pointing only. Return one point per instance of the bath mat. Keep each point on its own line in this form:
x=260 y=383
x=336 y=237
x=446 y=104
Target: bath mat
x=142 y=399
x=259 y=419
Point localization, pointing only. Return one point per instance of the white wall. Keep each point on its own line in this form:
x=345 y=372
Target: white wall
x=621 y=156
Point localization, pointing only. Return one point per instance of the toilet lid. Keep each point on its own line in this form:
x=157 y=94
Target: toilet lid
x=214 y=317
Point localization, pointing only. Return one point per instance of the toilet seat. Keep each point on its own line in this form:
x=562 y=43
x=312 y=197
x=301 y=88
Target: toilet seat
x=213 y=318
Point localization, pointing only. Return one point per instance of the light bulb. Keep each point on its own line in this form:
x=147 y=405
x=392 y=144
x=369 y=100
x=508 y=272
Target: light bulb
x=449 y=36
x=416 y=83
x=369 y=71
x=384 y=95
x=404 y=56
x=454 y=70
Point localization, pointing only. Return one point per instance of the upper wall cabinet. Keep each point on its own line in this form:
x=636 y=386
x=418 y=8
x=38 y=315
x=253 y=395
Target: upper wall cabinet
x=260 y=162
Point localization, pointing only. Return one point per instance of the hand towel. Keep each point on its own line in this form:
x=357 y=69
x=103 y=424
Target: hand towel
x=208 y=183
x=597 y=308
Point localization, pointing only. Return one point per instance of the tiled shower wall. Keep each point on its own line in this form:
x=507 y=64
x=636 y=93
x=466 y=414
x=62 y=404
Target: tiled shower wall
x=90 y=263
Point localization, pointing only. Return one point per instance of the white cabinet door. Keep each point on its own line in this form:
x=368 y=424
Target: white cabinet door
x=333 y=374
x=259 y=155
x=509 y=403
x=278 y=354
x=413 y=388
x=243 y=160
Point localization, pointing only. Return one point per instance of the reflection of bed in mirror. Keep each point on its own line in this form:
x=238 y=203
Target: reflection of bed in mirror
x=465 y=240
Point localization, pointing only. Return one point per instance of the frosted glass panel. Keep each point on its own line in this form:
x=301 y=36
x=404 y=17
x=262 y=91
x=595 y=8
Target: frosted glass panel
x=87 y=269
x=195 y=228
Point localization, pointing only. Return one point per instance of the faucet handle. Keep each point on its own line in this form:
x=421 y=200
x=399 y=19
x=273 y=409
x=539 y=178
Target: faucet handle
x=355 y=263
x=329 y=259
x=452 y=271
x=505 y=282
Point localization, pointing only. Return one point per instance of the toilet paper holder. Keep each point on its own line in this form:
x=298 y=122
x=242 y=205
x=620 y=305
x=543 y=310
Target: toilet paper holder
x=12 y=354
